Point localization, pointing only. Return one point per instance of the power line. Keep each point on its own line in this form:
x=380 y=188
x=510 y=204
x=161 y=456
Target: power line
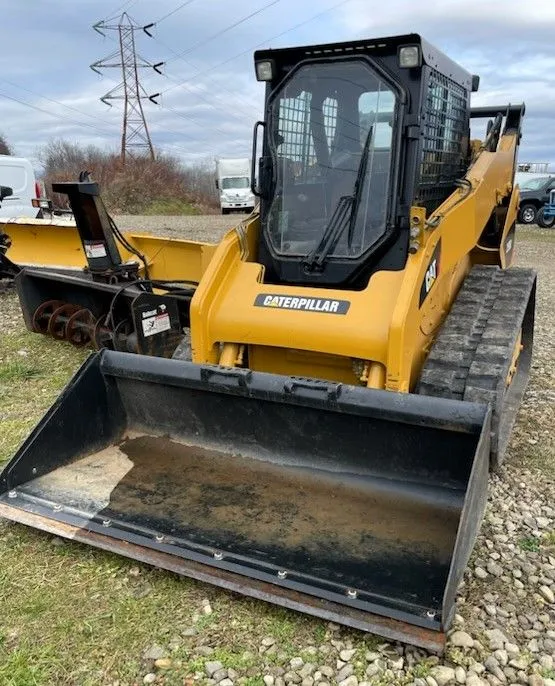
x=213 y=67
x=53 y=114
x=188 y=117
x=258 y=45
x=183 y=83
x=125 y=5
x=169 y=14
x=203 y=42
x=216 y=66
x=179 y=134
x=201 y=96
x=56 y=102
x=225 y=30
x=173 y=110
x=116 y=57
x=182 y=134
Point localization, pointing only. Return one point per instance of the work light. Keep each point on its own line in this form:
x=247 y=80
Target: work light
x=264 y=70
x=409 y=56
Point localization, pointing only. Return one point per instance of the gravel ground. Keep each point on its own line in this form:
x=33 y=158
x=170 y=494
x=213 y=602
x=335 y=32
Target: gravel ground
x=504 y=630
x=209 y=227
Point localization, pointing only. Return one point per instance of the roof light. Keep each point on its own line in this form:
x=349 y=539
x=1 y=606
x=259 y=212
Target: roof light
x=264 y=70
x=409 y=56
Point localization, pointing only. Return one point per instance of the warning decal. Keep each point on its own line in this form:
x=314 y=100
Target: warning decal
x=95 y=249
x=155 y=321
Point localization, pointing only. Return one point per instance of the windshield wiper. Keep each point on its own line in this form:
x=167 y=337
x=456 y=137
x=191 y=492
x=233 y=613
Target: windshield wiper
x=332 y=233
x=344 y=215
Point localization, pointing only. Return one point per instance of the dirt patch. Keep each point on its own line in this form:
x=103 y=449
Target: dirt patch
x=344 y=529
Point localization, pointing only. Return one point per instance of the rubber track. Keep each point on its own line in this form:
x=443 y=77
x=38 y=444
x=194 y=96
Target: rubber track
x=471 y=356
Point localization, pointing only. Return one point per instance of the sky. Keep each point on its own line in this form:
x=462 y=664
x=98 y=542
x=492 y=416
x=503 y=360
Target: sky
x=210 y=97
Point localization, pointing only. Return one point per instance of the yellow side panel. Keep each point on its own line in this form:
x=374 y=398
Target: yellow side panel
x=414 y=326
x=41 y=243
x=223 y=310
x=169 y=258
x=384 y=322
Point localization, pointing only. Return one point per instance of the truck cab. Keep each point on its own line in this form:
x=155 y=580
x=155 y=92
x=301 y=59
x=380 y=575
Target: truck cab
x=534 y=194
x=233 y=181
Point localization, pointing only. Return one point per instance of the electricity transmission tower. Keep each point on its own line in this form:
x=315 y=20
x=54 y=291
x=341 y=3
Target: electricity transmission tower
x=134 y=136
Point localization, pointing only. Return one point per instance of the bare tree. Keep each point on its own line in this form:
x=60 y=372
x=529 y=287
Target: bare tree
x=139 y=185
x=5 y=148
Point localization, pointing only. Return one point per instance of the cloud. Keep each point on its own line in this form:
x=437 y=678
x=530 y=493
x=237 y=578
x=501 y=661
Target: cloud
x=510 y=45
x=210 y=98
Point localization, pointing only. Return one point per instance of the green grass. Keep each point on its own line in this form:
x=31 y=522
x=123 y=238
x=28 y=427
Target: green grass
x=72 y=614
x=22 y=667
x=421 y=670
x=17 y=370
x=30 y=383
x=77 y=618
x=530 y=544
x=254 y=681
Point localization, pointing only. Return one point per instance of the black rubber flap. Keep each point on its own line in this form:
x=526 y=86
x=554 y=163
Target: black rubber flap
x=344 y=493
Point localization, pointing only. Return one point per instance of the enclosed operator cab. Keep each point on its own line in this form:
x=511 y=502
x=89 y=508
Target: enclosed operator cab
x=354 y=134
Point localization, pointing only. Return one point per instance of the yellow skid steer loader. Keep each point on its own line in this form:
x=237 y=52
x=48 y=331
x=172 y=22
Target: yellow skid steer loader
x=358 y=351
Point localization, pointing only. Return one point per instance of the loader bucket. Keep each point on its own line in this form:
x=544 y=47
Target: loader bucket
x=355 y=505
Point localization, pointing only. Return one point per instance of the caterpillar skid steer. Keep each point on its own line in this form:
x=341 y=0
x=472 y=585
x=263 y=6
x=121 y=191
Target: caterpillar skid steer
x=358 y=351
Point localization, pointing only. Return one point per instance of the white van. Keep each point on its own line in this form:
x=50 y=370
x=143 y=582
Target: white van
x=17 y=173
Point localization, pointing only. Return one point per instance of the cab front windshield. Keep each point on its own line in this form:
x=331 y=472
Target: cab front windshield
x=534 y=184
x=232 y=182
x=331 y=129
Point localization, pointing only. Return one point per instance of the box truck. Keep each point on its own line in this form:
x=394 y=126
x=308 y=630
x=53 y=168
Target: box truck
x=233 y=181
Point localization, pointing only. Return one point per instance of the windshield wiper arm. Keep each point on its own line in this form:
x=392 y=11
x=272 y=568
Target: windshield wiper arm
x=332 y=233
x=357 y=192
x=343 y=216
